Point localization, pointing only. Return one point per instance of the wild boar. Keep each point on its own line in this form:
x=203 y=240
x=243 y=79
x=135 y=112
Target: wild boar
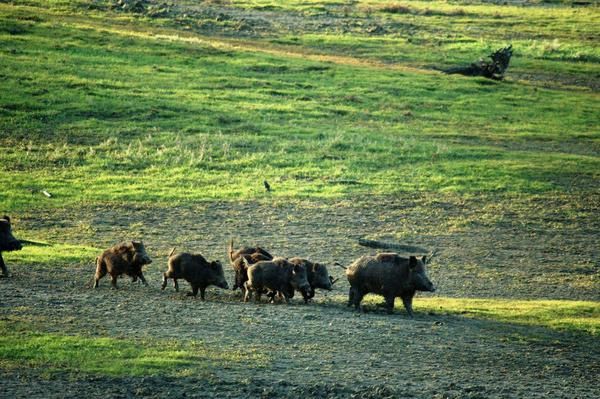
x=390 y=275
x=277 y=275
x=252 y=255
x=233 y=255
x=240 y=269
x=197 y=271
x=7 y=242
x=124 y=258
x=316 y=274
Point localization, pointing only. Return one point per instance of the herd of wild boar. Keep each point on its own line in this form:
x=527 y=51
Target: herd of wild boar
x=257 y=272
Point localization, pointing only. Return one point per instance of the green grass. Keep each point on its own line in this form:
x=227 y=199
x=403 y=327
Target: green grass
x=22 y=345
x=571 y=316
x=576 y=317
x=53 y=255
x=131 y=109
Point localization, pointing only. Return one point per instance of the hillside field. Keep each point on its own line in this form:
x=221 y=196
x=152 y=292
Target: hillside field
x=159 y=121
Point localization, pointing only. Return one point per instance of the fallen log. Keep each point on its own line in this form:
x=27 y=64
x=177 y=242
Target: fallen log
x=493 y=69
x=408 y=249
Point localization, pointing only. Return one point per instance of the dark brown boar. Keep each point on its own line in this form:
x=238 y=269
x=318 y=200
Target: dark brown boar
x=124 y=258
x=7 y=242
x=251 y=254
x=316 y=274
x=277 y=275
x=197 y=271
x=240 y=269
x=390 y=275
x=233 y=255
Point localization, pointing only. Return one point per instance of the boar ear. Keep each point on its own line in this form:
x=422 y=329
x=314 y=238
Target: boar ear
x=412 y=262
x=424 y=259
x=6 y=218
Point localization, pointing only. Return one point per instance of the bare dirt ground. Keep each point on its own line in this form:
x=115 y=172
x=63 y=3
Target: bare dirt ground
x=507 y=248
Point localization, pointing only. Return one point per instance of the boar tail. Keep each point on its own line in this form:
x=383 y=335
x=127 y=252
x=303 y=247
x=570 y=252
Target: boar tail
x=172 y=252
x=340 y=265
x=230 y=250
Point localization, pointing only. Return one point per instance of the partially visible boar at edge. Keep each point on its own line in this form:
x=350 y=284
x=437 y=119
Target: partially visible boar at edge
x=7 y=242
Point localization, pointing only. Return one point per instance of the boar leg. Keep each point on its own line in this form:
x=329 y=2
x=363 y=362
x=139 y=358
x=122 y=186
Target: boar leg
x=238 y=281
x=358 y=296
x=176 y=285
x=164 y=282
x=3 y=266
x=248 y=293
x=354 y=297
x=101 y=271
x=351 y=294
x=202 y=292
x=141 y=276
x=113 y=281
x=308 y=294
x=389 y=303
x=407 y=301
x=285 y=296
x=99 y=274
x=194 y=291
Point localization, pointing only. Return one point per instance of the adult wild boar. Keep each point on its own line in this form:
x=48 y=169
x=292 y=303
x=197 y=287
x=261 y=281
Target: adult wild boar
x=390 y=275
x=233 y=255
x=7 y=242
x=124 y=258
x=316 y=274
x=277 y=275
x=252 y=255
x=241 y=270
x=197 y=271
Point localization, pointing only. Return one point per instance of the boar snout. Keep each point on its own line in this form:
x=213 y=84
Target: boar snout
x=223 y=284
x=428 y=286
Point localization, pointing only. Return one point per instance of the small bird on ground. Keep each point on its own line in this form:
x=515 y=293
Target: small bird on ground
x=267 y=186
